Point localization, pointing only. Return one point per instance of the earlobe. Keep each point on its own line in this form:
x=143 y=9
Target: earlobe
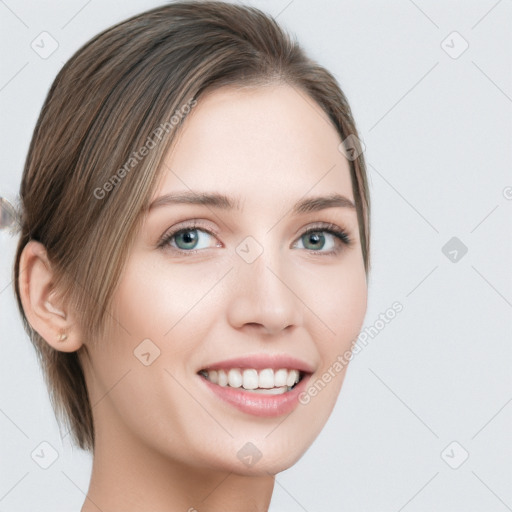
x=45 y=313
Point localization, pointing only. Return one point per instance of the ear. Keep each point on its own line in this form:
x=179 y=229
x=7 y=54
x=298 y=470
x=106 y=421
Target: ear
x=45 y=313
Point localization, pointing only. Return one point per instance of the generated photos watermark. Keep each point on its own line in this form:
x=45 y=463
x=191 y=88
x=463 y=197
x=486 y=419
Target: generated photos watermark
x=342 y=360
x=151 y=142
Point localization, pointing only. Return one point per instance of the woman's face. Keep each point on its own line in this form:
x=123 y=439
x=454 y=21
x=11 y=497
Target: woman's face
x=241 y=290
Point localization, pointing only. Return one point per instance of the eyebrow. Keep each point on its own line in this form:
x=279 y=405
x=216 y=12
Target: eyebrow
x=224 y=202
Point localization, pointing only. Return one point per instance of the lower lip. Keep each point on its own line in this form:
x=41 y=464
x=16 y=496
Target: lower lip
x=259 y=404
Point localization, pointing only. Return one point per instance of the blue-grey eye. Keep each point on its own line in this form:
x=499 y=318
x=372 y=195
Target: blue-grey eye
x=190 y=239
x=316 y=240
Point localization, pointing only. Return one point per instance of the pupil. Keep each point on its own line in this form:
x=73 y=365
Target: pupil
x=315 y=238
x=189 y=237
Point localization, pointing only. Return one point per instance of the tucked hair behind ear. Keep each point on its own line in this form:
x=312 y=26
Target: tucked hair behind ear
x=79 y=196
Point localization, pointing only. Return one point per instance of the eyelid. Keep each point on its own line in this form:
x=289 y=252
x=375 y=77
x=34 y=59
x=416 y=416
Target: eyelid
x=185 y=226
x=329 y=227
x=341 y=234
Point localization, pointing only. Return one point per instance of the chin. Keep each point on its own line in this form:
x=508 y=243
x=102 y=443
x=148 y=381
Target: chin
x=259 y=456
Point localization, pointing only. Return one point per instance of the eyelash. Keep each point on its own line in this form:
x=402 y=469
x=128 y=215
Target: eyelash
x=322 y=227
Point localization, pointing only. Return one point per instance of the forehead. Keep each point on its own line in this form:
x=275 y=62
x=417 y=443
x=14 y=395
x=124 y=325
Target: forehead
x=262 y=144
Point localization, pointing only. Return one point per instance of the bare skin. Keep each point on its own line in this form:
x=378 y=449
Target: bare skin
x=164 y=442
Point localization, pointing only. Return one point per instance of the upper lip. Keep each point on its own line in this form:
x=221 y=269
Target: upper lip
x=260 y=362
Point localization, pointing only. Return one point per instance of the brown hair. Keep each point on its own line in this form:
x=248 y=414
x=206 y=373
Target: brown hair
x=82 y=194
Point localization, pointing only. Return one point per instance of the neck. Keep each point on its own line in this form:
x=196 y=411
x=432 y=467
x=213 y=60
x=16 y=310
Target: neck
x=128 y=476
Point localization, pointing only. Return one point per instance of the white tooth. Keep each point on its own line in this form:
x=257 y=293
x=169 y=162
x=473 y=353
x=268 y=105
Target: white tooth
x=293 y=376
x=234 y=378
x=273 y=391
x=250 y=379
x=222 y=378
x=266 y=378
x=280 y=377
x=212 y=376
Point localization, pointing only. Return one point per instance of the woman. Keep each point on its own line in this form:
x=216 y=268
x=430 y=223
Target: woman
x=193 y=255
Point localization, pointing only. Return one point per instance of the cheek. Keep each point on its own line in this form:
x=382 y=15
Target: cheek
x=154 y=299
x=155 y=323
x=335 y=314
x=336 y=300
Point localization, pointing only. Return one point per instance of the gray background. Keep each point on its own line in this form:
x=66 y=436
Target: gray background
x=436 y=122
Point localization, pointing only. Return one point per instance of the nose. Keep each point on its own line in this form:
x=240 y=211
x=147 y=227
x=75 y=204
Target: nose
x=263 y=296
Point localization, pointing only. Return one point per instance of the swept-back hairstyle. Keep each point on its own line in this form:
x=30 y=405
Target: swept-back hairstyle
x=87 y=179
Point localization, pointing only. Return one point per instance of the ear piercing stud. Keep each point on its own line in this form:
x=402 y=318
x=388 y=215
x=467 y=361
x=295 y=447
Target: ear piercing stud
x=62 y=336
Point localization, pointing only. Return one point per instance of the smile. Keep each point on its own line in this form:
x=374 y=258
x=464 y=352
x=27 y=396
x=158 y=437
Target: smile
x=269 y=392
x=267 y=381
